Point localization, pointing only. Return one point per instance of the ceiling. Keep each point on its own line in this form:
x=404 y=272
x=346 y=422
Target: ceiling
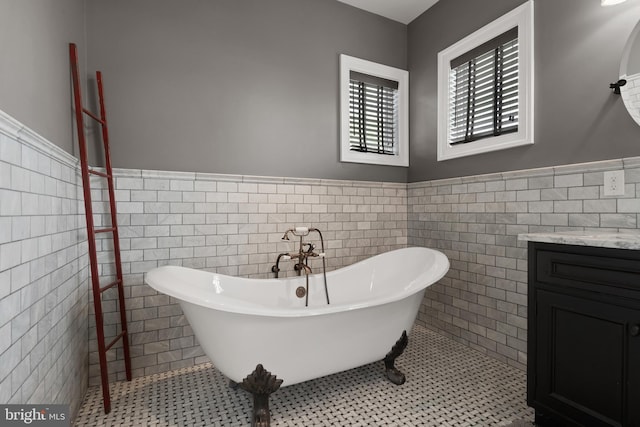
x=403 y=11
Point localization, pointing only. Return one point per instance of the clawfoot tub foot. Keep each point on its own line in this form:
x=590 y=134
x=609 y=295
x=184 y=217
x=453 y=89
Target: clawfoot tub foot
x=393 y=374
x=260 y=383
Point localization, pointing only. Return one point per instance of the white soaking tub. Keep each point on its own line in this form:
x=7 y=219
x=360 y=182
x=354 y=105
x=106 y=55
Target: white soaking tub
x=241 y=322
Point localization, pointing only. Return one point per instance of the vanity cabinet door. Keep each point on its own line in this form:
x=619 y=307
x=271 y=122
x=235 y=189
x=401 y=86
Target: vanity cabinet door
x=587 y=360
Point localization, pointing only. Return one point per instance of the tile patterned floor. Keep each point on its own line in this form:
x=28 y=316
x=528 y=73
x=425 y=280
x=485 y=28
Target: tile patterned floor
x=447 y=384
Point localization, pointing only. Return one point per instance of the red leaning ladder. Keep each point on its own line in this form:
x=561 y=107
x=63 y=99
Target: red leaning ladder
x=92 y=231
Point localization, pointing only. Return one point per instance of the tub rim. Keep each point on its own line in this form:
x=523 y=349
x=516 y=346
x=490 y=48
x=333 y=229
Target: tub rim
x=223 y=303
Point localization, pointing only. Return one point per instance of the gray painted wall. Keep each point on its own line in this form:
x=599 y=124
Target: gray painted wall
x=578 y=46
x=234 y=86
x=34 y=70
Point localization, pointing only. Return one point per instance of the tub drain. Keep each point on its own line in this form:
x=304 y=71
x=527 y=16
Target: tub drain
x=301 y=292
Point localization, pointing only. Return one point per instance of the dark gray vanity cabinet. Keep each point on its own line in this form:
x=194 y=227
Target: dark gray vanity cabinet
x=584 y=335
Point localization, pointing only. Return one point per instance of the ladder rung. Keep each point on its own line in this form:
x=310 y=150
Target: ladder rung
x=104 y=230
x=115 y=340
x=93 y=116
x=109 y=286
x=102 y=174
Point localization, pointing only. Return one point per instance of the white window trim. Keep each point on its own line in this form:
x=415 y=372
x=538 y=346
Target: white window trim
x=350 y=63
x=522 y=17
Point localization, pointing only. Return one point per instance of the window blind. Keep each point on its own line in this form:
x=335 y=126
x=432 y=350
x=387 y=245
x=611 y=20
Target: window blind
x=484 y=94
x=373 y=114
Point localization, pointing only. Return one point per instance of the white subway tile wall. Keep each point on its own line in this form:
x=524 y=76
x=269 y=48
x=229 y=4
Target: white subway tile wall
x=230 y=225
x=43 y=272
x=475 y=221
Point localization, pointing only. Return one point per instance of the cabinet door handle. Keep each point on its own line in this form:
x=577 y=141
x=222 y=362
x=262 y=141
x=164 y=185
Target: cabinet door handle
x=634 y=330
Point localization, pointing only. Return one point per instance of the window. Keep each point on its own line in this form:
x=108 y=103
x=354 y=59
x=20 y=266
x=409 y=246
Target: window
x=374 y=113
x=485 y=90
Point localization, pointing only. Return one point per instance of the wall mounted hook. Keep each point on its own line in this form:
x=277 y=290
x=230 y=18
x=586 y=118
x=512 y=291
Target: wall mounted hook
x=617 y=85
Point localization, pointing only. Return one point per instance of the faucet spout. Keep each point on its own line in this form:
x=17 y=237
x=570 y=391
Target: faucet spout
x=302 y=267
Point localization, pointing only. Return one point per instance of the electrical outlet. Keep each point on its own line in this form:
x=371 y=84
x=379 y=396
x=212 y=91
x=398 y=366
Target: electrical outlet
x=614 y=183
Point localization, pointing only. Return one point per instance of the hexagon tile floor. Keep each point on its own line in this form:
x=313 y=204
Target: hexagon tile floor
x=448 y=384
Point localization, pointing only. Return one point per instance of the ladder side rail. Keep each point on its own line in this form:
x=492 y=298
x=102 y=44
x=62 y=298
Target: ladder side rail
x=91 y=237
x=114 y=225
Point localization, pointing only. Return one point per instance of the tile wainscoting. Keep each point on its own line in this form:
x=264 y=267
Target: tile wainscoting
x=43 y=272
x=482 y=302
x=230 y=225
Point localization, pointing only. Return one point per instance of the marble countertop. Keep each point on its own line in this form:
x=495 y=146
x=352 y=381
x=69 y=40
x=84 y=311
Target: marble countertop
x=619 y=240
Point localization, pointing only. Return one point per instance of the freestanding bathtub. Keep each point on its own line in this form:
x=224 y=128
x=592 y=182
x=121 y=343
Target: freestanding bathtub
x=241 y=323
